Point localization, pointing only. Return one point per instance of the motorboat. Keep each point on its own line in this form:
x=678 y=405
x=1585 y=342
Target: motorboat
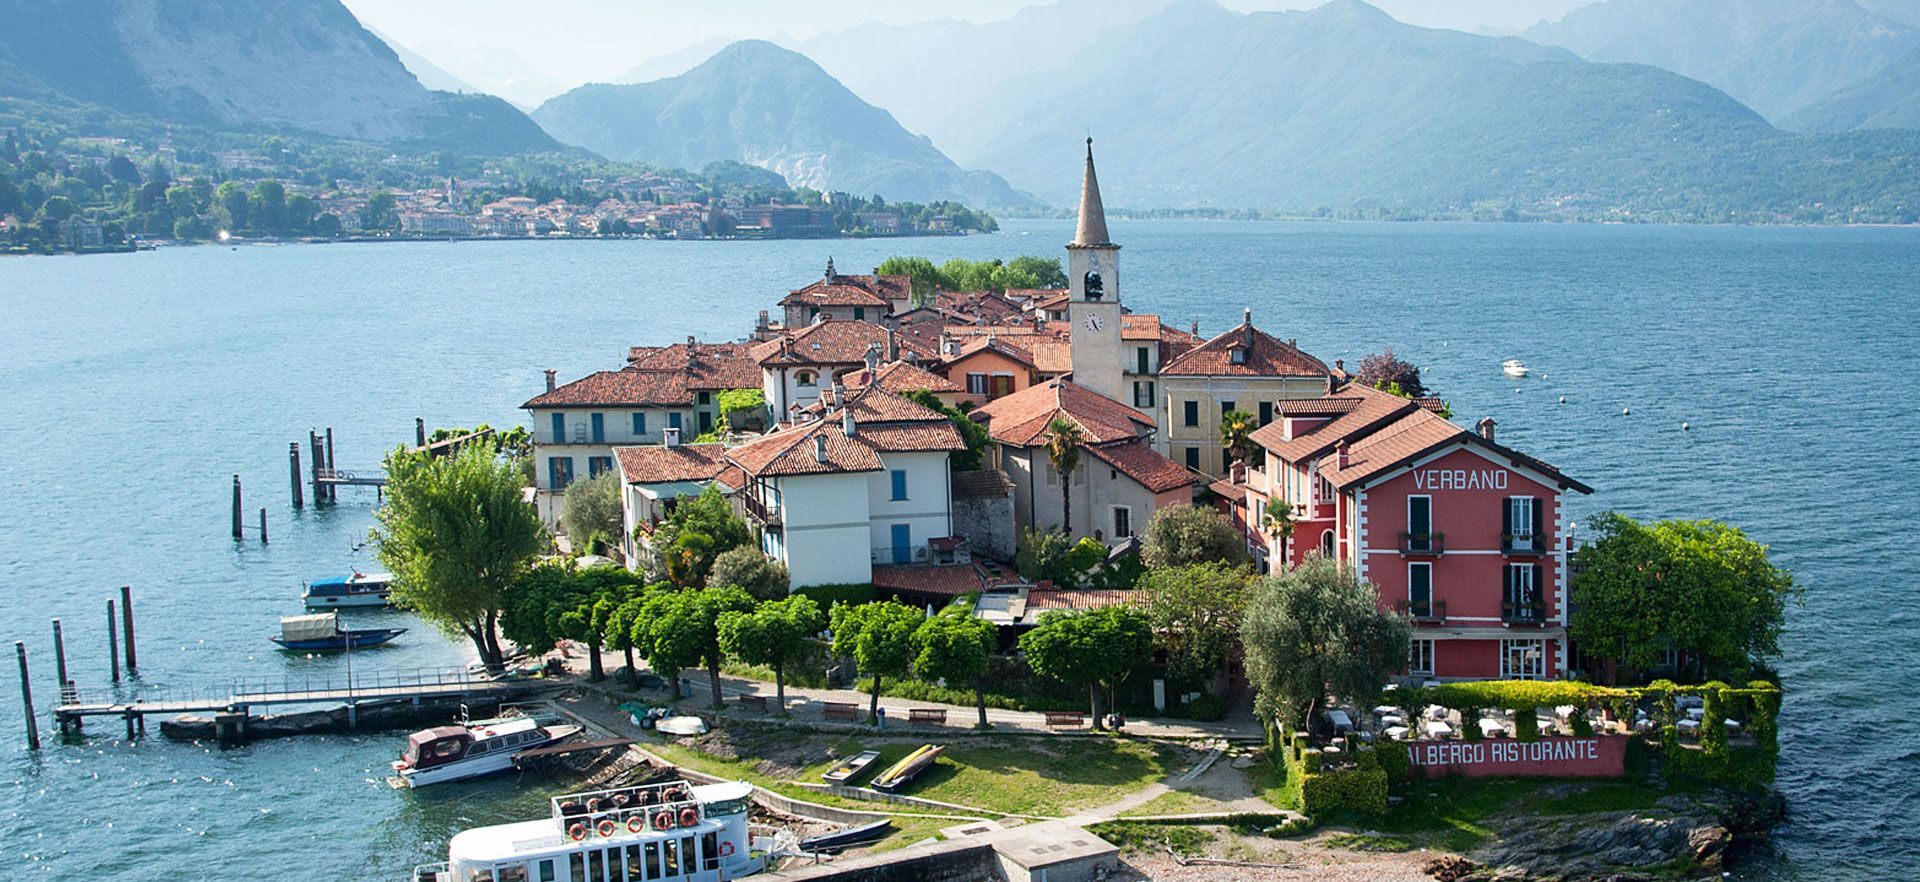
x=851 y=767
x=1514 y=367
x=681 y=725
x=453 y=753
x=358 y=589
x=321 y=632
x=838 y=840
x=908 y=768
x=670 y=830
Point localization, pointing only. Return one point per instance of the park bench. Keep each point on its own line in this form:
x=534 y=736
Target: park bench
x=1065 y=718
x=840 y=710
x=754 y=702
x=927 y=715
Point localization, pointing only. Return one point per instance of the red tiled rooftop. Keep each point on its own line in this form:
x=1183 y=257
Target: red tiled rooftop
x=1021 y=419
x=1267 y=356
x=617 y=389
x=1143 y=464
x=686 y=462
x=901 y=377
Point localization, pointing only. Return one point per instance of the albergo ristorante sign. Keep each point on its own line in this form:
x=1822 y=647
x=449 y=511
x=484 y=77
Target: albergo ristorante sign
x=1598 y=756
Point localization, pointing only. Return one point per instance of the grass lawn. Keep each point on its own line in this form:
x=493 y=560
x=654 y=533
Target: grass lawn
x=1177 y=802
x=1134 y=838
x=1456 y=815
x=1012 y=775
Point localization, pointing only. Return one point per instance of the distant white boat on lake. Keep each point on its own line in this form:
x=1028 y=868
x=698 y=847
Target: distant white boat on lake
x=1514 y=367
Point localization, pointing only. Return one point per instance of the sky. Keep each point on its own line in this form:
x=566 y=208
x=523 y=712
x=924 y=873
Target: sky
x=522 y=50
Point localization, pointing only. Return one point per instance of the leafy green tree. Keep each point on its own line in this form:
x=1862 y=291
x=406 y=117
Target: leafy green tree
x=300 y=211
x=10 y=199
x=1317 y=630
x=879 y=637
x=698 y=531
x=1179 y=535
x=748 y=568
x=269 y=206
x=58 y=209
x=1196 y=611
x=1096 y=648
x=1042 y=555
x=926 y=277
x=666 y=634
x=1384 y=370
x=686 y=629
x=1700 y=588
x=973 y=434
x=956 y=646
x=380 y=212
x=1236 y=433
x=774 y=634
x=592 y=507
x=1045 y=272
x=122 y=169
x=234 y=206
x=456 y=534
x=1064 y=441
x=183 y=201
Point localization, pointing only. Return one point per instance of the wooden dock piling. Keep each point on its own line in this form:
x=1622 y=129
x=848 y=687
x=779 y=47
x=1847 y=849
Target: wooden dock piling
x=113 y=642
x=26 y=697
x=60 y=661
x=332 y=465
x=293 y=461
x=319 y=463
x=420 y=432
x=263 y=526
x=126 y=619
x=239 y=527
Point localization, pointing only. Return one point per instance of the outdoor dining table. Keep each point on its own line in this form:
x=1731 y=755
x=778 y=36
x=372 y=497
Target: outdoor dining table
x=1438 y=729
x=1397 y=733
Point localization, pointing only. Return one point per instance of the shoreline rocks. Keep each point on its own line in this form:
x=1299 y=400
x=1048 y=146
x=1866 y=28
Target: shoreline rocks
x=1680 y=837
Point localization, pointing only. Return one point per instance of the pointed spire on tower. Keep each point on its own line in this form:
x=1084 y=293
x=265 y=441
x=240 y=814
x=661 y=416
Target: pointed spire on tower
x=1093 y=217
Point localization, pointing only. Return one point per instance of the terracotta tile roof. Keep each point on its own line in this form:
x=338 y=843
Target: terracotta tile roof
x=1026 y=296
x=907 y=438
x=948 y=580
x=617 y=389
x=707 y=366
x=977 y=345
x=1237 y=493
x=982 y=484
x=1322 y=406
x=1143 y=464
x=1362 y=410
x=900 y=377
x=1021 y=419
x=1051 y=356
x=830 y=343
x=661 y=465
x=839 y=290
x=979 y=305
x=1267 y=356
x=794 y=452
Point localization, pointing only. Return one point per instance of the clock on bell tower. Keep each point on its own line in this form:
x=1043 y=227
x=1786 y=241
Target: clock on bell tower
x=1093 y=303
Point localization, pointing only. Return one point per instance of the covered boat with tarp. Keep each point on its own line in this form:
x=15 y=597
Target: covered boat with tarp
x=321 y=632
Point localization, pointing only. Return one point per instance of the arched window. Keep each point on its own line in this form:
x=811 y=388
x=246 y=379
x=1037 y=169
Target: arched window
x=1326 y=543
x=804 y=378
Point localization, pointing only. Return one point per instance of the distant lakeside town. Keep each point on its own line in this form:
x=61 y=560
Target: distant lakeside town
x=108 y=194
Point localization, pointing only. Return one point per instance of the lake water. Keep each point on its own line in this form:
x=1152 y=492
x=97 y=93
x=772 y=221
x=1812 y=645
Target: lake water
x=138 y=385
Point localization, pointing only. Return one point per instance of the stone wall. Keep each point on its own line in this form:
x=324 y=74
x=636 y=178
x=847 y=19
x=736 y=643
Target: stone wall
x=987 y=523
x=961 y=861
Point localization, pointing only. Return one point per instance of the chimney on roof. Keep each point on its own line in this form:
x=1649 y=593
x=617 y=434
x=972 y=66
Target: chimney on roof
x=549 y=379
x=893 y=345
x=1485 y=428
x=873 y=361
x=847 y=425
x=1196 y=328
x=820 y=448
x=830 y=272
x=1341 y=454
x=1340 y=364
x=1039 y=321
x=1246 y=322
x=670 y=437
x=762 y=323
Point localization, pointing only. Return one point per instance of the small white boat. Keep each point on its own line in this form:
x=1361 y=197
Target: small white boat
x=453 y=753
x=1514 y=367
x=359 y=589
x=683 y=725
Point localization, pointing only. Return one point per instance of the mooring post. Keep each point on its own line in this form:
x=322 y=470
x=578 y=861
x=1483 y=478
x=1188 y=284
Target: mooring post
x=126 y=619
x=420 y=431
x=238 y=527
x=263 y=526
x=293 y=461
x=113 y=642
x=60 y=660
x=313 y=445
x=130 y=715
x=332 y=465
x=26 y=697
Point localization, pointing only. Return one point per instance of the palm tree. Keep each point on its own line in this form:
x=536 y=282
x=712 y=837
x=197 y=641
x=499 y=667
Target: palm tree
x=1278 y=522
x=1236 y=429
x=1064 y=440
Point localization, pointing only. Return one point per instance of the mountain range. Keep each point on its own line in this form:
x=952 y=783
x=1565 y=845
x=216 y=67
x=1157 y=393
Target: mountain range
x=764 y=105
x=1814 y=65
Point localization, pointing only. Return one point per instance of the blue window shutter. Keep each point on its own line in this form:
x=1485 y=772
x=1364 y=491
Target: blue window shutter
x=902 y=543
x=559 y=428
x=599 y=427
x=639 y=424
x=673 y=420
x=899 y=484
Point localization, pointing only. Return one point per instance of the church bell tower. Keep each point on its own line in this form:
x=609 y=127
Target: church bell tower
x=1093 y=304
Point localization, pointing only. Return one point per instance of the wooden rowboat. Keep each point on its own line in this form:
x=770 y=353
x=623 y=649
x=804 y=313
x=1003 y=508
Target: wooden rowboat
x=851 y=767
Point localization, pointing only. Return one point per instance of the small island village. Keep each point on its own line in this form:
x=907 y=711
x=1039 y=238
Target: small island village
x=1020 y=584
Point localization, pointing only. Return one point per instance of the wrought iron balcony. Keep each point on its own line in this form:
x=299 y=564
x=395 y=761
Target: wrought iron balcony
x=766 y=515
x=1417 y=544
x=1430 y=612
x=1532 y=612
x=1515 y=543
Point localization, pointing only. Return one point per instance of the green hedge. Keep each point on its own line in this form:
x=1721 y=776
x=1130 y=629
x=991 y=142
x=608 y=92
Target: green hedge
x=1396 y=759
x=1363 y=790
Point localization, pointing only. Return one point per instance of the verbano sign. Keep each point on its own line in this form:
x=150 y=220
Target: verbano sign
x=1599 y=756
x=1460 y=479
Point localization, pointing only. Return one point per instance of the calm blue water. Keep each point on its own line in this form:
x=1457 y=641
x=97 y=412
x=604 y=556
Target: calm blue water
x=138 y=385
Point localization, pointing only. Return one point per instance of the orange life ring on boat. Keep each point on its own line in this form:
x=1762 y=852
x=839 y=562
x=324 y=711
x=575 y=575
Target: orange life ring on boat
x=607 y=827
x=636 y=823
x=663 y=821
x=577 y=832
x=689 y=817
x=726 y=848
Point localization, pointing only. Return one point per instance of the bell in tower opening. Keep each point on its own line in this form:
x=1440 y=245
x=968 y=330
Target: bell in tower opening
x=1091 y=284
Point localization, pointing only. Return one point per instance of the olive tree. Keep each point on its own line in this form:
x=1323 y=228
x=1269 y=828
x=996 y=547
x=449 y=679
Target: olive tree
x=1318 y=630
x=1179 y=535
x=749 y=568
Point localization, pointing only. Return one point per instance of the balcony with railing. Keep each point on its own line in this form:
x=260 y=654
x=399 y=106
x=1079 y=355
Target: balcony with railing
x=1523 y=544
x=762 y=513
x=1523 y=611
x=1430 y=612
x=1423 y=544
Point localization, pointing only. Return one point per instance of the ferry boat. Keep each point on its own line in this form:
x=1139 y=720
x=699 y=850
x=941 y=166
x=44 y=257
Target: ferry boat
x=670 y=830
x=453 y=753
x=359 y=589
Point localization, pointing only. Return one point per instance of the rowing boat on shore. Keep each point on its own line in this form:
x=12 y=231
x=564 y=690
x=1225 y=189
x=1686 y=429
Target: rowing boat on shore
x=908 y=768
